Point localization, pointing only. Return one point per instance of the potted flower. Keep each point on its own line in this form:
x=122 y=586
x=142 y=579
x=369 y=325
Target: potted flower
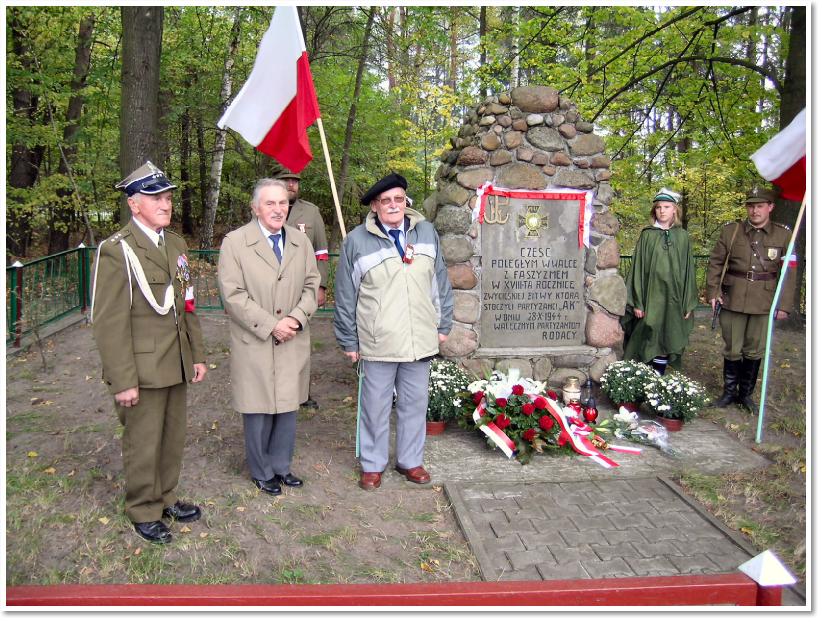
x=445 y=383
x=517 y=408
x=674 y=399
x=624 y=382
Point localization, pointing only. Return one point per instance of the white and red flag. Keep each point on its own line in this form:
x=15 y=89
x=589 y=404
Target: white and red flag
x=781 y=160
x=278 y=103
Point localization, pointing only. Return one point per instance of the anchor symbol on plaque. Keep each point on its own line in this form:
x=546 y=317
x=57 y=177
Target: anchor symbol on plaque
x=533 y=222
x=494 y=215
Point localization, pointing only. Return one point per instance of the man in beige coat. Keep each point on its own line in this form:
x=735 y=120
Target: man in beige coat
x=268 y=281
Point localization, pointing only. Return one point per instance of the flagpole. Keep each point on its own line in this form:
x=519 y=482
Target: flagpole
x=783 y=272
x=331 y=176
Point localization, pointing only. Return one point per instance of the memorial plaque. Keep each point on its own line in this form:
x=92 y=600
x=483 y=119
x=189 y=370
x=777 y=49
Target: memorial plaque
x=532 y=272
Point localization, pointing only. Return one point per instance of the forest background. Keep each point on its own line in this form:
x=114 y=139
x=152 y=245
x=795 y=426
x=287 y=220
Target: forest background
x=682 y=95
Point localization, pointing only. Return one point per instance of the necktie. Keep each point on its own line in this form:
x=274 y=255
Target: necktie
x=161 y=244
x=395 y=233
x=275 y=240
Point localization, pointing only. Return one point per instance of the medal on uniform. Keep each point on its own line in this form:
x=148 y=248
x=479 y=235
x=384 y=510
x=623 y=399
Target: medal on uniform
x=409 y=254
x=301 y=227
x=184 y=276
x=773 y=253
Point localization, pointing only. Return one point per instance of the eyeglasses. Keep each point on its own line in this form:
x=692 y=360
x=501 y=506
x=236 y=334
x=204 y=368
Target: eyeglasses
x=386 y=201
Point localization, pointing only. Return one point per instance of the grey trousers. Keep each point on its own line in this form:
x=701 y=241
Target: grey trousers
x=269 y=443
x=379 y=380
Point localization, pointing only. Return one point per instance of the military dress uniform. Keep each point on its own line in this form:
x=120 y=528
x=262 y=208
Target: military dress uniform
x=306 y=217
x=142 y=347
x=747 y=291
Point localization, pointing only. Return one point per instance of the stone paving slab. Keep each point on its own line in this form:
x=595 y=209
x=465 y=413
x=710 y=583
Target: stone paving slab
x=461 y=455
x=546 y=534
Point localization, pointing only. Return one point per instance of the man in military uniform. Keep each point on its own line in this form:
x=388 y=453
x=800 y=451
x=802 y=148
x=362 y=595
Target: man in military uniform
x=150 y=345
x=306 y=217
x=754 y=249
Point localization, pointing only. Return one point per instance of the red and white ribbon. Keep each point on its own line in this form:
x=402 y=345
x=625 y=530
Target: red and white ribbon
x=493 y=432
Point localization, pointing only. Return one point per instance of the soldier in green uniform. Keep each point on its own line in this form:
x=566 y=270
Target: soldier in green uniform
x=306 y=217
x=150 y=345
x=754 y=250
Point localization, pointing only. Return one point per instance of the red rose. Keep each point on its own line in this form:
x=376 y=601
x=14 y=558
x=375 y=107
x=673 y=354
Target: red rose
x=529 y=435
x=502 y=402
x=502 y=421
x=552 y=394
x=528 y=409
x=563 y=438
x=517 y=389
x=541 y=402
x=546 y=422
x=477 y=397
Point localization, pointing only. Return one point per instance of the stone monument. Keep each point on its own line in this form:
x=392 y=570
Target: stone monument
x=534 y=266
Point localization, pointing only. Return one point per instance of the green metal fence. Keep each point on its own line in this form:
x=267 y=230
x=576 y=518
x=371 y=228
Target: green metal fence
x=45 y=290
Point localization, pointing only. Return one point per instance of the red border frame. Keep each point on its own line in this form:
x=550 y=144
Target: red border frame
x=689 y=590
x=539 y=194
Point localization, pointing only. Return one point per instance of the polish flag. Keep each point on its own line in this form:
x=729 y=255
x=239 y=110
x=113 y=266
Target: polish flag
x=781 y=160
x=278 y=103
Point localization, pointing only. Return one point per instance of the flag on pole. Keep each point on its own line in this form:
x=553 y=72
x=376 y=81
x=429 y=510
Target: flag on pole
x=781 y=160
x=278 y=103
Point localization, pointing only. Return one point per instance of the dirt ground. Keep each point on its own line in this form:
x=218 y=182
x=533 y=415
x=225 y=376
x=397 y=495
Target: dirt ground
x=64 y=488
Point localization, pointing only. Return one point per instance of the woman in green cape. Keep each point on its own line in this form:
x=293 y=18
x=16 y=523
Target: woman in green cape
x=661 y=288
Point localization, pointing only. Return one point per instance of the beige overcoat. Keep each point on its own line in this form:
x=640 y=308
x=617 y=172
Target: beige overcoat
x=257 y=293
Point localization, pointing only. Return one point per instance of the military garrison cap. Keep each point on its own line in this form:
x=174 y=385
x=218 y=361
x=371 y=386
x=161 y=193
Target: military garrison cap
x=148 y=179
x=288 y=175
x=386 y=183
x=665 y=194
x=760 y=195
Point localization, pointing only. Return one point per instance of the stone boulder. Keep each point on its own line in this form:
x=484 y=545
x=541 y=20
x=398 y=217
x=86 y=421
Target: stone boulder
x=461 y=342
x=521 y=175
x=586 y=145
x=462 y=276
x=475 y=177
x=535 y=98
x=466 y=308
x=453 y=219
x=606 y=223
x=602 y=330
x=608 y=254
x=471 y=156
x=456 y=248
x=546 y=138
x=610 y=292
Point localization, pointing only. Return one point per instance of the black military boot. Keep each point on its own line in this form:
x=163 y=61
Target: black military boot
x=747 y=381
x=730 y=375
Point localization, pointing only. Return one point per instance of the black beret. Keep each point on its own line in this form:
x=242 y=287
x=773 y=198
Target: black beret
x=386 y=183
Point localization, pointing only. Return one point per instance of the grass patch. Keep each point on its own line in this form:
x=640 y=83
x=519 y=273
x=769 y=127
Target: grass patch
x=789 y=424
x=704 y=487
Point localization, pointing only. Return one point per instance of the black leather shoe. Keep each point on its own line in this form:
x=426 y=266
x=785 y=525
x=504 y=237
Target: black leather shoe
x=154 y=531
x=183 y=512
x=310 y=403
x=270 y=486
x=289 y=479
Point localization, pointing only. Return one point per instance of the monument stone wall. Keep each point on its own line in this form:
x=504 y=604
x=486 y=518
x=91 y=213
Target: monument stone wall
x=527 y=295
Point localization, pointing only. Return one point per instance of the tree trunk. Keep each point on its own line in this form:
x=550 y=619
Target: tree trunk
x=65 y=215
x=213 y=197
x=453 y=49
x=25 y=160
x=390 y=47
x=352 y=111
x=793 y=101
x=202 y=158
x=185 y=169
x=483 y=29
x=140 y=77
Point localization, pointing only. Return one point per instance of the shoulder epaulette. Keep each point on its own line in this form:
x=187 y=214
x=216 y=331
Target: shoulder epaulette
x=117 y=236
x=779 y=224
x=175 y=234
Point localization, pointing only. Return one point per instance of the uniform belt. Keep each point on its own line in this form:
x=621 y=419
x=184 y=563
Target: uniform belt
x=753 y=276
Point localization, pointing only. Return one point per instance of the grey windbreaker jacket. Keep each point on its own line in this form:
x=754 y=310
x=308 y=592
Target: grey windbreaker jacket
x=387 y=309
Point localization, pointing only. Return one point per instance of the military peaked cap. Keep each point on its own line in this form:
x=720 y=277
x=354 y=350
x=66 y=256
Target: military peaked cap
x=288 y=175
x=760 y=195
x=148 y=179
x=386 y=183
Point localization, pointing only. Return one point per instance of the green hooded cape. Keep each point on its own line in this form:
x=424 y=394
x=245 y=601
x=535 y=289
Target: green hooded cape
x=662 y=283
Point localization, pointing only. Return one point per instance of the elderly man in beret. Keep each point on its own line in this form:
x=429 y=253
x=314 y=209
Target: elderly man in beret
x=151 y=345
x=394 y=307
x=742 y=273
